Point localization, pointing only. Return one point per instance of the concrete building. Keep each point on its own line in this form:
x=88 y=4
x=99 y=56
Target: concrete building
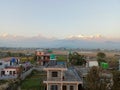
x=59 y=77
x=9 y=67
x=10 y=71
x=3 y=64
x=10 y=61
x=90 y=62
x=42 y=57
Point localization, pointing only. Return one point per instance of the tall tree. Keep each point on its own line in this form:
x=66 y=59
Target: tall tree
x=101 y=57
x=94 y=80
x=77 y=59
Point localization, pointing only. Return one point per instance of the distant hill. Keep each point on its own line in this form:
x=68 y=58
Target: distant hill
x=56 y=43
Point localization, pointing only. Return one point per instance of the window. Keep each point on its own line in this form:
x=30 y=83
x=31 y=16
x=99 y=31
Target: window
x=64 y=87
x=10 y=72
x=0 y=63
x=71 y=88
x=14 y=72
x=54 y=74
x=54 y=87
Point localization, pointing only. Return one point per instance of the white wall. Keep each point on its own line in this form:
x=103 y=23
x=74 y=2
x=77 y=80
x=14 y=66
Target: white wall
x=92 y=63
x=2 y=66
x=7 y=71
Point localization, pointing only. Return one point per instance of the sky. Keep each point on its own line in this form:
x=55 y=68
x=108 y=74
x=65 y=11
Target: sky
x=60 y=18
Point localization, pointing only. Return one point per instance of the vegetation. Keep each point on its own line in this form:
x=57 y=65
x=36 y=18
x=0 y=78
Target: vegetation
x=30 y=59
x=113 y=63
x=61 y=57
x=34 y=81
x=101 y=57
x=94 y=81
x=9 y=54
x=77 y=59
x=116 y=80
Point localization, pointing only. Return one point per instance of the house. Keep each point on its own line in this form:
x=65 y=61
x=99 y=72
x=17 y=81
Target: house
x=9 y=68
x=3 y=64
x=10 y=71
x=10 y=61
x=43 y=57
x=91 y=63
x=59 y=77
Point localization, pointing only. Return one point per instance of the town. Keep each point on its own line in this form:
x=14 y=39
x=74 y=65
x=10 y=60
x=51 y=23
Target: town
x=59 y=69
x=59 y=44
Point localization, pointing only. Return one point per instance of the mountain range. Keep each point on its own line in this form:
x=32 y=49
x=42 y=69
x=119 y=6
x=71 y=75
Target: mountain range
x=79 y=41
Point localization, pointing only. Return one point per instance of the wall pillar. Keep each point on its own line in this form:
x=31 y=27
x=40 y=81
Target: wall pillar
x=47 y=87
x=77 y=86
x=61 y=86
x=48 y=75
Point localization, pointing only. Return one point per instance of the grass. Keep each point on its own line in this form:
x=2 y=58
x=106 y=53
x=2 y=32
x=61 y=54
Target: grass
x=34 y=81
x=61 y=57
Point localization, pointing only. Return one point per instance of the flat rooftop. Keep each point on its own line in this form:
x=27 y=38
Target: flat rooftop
x=70 y=74
x=55 y=64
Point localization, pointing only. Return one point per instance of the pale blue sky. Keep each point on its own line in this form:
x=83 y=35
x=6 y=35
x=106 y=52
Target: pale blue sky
x=60 y=18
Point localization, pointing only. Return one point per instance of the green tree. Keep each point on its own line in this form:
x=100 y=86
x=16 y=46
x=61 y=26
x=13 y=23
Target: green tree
x=77 y=59
x=101 y=57
x=9 y=54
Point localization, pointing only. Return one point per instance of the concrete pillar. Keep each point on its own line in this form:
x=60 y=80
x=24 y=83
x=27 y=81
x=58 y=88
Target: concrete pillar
x=48 y=75
x=61 y=80
x=61 y=86
x=61 y=76
x=47 y=87
x=68 y=87
x=77 y=86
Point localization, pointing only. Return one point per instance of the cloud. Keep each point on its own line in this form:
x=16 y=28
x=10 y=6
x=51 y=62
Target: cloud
x=97 y=37
x=6 y=36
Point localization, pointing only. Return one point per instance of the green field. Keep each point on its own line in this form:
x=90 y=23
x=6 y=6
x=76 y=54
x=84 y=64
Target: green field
x=61 y=58
x=34 y=81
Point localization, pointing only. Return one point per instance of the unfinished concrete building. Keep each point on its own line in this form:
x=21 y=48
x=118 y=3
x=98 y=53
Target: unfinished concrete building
x=59 y=77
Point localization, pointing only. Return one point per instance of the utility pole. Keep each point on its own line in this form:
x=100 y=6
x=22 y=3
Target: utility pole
x=119 y=64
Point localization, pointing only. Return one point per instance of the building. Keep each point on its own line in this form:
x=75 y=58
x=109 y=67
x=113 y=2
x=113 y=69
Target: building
x=10 y=61
x=59 y=77
x=10 y=71
x=91 y=63
x=9 y=68
x=42 y=57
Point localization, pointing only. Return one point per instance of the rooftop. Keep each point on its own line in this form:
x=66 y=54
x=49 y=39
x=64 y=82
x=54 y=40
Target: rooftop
x=55 y=64
x=82 y=71
x=7 y=59
x=71 y=75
